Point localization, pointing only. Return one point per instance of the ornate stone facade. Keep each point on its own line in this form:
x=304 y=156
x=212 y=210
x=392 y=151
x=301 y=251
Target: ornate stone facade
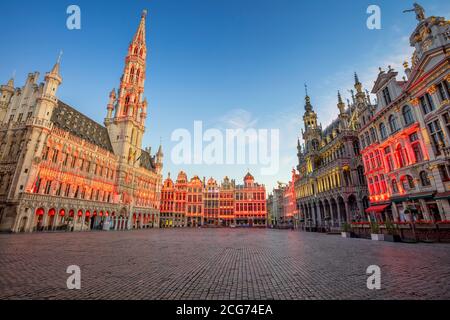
x=406 y=140
x=331 y=188
x=61 y=170
x=198 y=203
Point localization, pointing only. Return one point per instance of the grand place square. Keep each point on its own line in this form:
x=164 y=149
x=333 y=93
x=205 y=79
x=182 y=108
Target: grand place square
x=218 y=264
x=355 y=206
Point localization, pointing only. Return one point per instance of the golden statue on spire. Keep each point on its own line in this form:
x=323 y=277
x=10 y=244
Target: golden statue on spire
x=419 y=10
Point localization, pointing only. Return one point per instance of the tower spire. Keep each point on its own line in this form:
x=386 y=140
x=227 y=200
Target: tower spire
x=341 y=104
x=130 y=107
x=358 y=84
x=308 y=106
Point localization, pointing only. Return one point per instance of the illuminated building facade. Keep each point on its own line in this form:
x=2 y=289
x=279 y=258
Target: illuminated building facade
x=60 y=170
x=250 y=203
x=226 y=202
x=194 y=209
x=331 y=188
x=406 y=140
x=210 y=204
x=290 y=214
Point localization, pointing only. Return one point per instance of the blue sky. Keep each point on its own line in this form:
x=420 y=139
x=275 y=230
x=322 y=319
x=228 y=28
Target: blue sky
x=228 y=63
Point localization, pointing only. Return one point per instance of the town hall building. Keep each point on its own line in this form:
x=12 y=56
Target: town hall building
x=60 y=170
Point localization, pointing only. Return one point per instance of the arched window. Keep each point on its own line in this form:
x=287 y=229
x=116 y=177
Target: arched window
x=411 y=183
x=408 y=183
x=377 y=185
x=394 y=186
x=373 y=134
x=371 y=186
x=367 y=139
x=361 y=176
x=383 y=132
x=393 y=123
x=400 y=156
x=425 y=180
x=383 y=183
x=408 y=115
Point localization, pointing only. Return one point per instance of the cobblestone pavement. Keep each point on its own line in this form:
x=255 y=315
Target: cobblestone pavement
x=218 y=264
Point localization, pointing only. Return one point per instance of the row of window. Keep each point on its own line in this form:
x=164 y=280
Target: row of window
x=77 y=163
x=437 y=136
x=71 y=191
x=399 y=158
x=371 y=136
x=20 y=117
x=427 y=105
x=378 y=185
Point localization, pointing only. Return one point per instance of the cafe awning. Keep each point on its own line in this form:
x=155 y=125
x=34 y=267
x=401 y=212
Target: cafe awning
x=377 y=209
x=416 y=196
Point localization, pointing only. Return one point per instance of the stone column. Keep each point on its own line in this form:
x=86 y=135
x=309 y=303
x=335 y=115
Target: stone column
x=331 y=213
x=444 y=209
x=347 y=212
x=338 y=207
x=426 y=212
x=395 y=212
x=361 y=209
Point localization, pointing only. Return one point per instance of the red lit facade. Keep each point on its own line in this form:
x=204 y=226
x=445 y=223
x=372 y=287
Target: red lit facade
x=60 y=170
x=210 y=204
x=291 y=214
x=406 y=140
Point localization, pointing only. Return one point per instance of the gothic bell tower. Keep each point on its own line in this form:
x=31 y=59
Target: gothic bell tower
x=312 y=136
x=127 y=110
x=312 y=133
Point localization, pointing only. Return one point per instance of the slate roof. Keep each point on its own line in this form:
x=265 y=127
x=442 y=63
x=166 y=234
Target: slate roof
x=67 y=118
x=147 y=161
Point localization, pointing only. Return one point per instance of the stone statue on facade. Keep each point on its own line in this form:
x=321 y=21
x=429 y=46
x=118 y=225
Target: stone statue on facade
x=419 y=10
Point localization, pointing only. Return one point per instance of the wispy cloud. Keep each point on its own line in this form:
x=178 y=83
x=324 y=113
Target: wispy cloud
x=236 y=119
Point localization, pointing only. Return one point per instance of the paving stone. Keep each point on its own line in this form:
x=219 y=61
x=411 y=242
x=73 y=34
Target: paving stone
x=218 y=264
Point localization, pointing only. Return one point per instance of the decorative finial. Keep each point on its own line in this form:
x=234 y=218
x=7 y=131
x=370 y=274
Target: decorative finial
x=144 y=13
x=339 y=97
x=356 y=78
x=306 y=89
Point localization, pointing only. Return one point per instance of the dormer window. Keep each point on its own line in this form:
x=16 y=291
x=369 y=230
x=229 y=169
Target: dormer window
x=387 y=96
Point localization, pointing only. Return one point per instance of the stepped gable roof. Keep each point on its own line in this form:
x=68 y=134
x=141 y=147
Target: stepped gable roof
x=67 y=118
